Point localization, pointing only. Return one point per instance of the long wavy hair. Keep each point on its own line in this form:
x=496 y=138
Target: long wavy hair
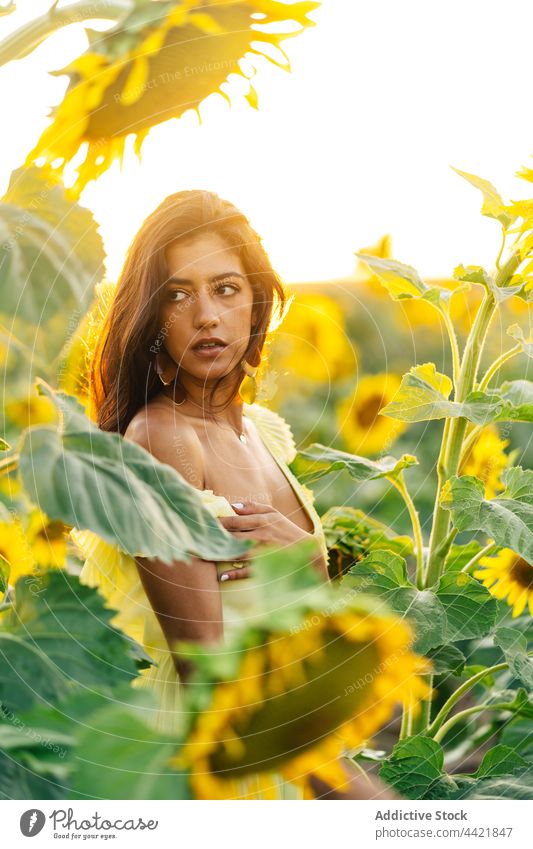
x=123 y=376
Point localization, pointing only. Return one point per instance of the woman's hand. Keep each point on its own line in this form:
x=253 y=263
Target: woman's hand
x=266 y=525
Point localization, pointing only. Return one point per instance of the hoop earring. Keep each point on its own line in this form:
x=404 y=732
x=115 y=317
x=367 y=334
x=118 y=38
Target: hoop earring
x=248 y=388
x=159 y=371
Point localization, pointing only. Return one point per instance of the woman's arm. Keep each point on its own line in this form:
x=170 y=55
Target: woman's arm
x=185 y=597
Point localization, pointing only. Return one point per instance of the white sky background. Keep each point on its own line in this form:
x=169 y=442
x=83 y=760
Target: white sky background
x=383 y=97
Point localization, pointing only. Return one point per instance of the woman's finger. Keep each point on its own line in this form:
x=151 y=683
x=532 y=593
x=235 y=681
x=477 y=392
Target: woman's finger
x=235 y=574
x=242 y=523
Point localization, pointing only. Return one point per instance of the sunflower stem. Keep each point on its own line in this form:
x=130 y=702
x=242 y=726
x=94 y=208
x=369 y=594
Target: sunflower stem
x=512 y=352
x=29 y=36
x=8 y=464
x=481 y=553
x=453 y=439
x=417 y=530
x=443 y=730
x=459 y=693
x=5 y=606
x=456 y=358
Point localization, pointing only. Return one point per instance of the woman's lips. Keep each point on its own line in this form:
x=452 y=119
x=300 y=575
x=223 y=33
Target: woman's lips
x=210 y=352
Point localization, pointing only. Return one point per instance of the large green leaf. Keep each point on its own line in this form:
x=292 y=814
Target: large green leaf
x=470 y=608
x=120 y=757
x=498 y=787
x=104 y=483
x=384 y=574
x=318 y=460
x=501 y=760
x=477 y=274
x=415 y=769
x=447 y=659
x=57 y=635
x=493 y=205
x=51 y=253
x=423 y=396
x=517 y=397
x=403 y=281
x=514 y=646
x=508 y=519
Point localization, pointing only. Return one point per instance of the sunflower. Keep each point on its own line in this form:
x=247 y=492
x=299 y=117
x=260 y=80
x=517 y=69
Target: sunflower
x=48 y=540
x=364 y=430
x=312 y=342
x=363 y=274
x=74 y=376
x=15 y=549
x=30 y=410
x=162 y=59
x=507 y=575
x=487 y=459
x=301 y=700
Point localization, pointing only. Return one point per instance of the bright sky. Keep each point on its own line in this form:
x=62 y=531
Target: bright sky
x=384 y=96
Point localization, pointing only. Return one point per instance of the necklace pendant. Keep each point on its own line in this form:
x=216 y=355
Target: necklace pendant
x=242 y=437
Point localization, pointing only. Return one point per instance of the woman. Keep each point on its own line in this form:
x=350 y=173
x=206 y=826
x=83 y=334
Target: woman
x=188 y=324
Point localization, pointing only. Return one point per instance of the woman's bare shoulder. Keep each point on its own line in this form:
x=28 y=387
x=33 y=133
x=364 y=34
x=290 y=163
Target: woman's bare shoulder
x=170 y=437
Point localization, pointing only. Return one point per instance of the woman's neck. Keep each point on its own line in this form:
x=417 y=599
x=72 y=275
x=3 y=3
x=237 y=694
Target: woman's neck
x=198 y=405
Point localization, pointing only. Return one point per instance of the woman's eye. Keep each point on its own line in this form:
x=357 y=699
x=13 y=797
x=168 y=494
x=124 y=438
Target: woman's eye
x=231 y=286
x=173 y=296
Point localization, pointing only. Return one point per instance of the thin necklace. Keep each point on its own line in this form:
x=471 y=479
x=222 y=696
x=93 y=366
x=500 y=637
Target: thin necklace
x=239 y=433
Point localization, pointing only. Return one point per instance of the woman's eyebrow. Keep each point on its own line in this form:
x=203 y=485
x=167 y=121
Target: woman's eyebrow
x=182 y=281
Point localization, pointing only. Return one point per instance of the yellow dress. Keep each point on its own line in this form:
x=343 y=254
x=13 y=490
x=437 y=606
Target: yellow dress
x=115 y=575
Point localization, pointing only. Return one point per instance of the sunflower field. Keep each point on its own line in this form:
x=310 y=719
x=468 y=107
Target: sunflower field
x=414 y=663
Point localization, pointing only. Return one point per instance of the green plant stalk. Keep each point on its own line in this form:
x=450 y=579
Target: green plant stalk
x=468 y=442
x=481 y=553
x=29 y=36
x=5 y=606
x=512 y=352
x=417 y=530
x=8 y=464
x=456 y=359
x=453 y=439
x=460 y=692
x=443 y=730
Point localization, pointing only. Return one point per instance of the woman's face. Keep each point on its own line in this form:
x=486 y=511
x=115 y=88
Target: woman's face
x=207 y=294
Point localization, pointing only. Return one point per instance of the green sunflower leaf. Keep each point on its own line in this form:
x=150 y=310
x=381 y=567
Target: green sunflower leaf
x=57 y=635
x=318 y=460
x=384 y=574
x=514 y=647
x=423 y=396
x=403 y=281
x=51 y=253
x=416 y=769
x=447 y=659
x=470 y=608
x=493 y=205
x=508 y=519
x=500 y=760
x=99 y=481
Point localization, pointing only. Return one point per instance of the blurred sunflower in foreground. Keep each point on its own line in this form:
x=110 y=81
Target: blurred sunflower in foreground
x=36 y=543
x=508 y=576
x=312 y=342
x=74 y=374
x=298 y=701
x=487 y=459
x=160 y=60
x=364 y=430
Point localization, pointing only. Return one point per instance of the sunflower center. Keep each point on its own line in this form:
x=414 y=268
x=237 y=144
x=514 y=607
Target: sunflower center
x=366 y=415
x=522 y=573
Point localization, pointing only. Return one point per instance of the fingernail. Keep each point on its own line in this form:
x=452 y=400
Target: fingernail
x=237 y=504
x=224 y=576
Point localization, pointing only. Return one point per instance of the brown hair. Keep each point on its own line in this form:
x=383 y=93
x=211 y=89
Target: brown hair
x=123 y=377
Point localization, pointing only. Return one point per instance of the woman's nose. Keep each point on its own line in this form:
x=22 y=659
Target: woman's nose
x=205 y=310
